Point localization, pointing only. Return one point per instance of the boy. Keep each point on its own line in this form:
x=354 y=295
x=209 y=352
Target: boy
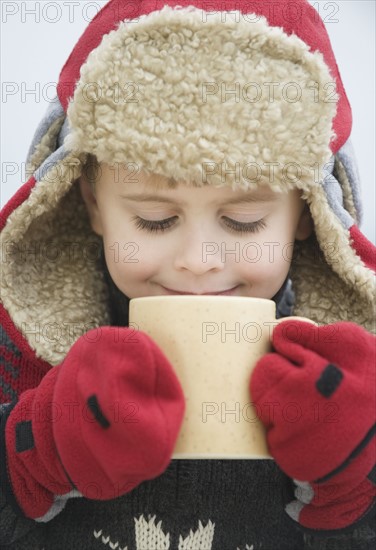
x=140 y=112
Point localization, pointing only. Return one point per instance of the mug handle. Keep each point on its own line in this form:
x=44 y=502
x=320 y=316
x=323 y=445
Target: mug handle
x=297 y=318
x=292 y=318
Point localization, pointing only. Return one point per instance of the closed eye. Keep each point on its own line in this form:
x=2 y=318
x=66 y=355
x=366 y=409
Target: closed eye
x=250 y=227
x=154 y=226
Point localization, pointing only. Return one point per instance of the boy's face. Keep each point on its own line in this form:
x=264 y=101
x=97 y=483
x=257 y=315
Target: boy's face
x=206 y=244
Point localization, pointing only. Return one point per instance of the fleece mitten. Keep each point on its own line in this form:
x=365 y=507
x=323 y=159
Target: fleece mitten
x=315 y=394
x=98 y=424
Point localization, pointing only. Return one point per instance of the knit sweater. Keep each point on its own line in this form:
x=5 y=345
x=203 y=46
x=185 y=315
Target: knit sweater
x=195 y=504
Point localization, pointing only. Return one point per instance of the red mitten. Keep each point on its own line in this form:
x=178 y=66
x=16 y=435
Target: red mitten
x=316 y=396
x=100 y=423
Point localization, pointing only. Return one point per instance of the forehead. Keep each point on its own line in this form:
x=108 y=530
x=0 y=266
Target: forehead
x=131 y=182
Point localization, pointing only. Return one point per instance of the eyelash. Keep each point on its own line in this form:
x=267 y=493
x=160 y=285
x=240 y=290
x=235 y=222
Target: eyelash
x=163 y=225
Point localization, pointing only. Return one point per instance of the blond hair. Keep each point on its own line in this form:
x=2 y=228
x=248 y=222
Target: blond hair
x=92 y=168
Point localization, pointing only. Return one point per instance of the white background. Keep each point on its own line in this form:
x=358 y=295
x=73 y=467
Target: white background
x=36 y=45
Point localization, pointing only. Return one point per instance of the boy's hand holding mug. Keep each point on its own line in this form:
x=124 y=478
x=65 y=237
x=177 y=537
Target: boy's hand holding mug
x=109 y=416
x=312 y=388
x=97 y=425
x=328 y=374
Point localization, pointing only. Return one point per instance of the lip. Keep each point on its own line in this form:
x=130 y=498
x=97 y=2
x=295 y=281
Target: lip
x=228 y=292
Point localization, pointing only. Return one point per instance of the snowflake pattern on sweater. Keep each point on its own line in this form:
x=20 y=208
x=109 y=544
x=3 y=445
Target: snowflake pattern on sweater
x=150 y=536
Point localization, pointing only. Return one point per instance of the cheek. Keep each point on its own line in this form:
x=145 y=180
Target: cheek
x=266 y=260
x=271 y=247
x=132 y=259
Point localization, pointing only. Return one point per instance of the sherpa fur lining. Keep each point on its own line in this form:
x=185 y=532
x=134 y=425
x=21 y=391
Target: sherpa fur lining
x=334 y=241
x=44 y=147
x=50 y=283
x=321 y=294
x=169 y=60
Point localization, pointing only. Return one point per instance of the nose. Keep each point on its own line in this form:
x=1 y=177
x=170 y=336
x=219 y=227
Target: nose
x=198 y=255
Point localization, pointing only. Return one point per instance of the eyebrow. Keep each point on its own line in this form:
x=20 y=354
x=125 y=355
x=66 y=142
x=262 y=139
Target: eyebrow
x=162 y=199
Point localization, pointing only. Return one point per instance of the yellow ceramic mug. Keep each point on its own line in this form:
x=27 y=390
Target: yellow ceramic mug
x=213 y=342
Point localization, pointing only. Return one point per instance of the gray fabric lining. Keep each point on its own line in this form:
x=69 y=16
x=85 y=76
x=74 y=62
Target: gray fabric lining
x=334 y=194
x=348 y=159
x=54 y=110
x=64 y=131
